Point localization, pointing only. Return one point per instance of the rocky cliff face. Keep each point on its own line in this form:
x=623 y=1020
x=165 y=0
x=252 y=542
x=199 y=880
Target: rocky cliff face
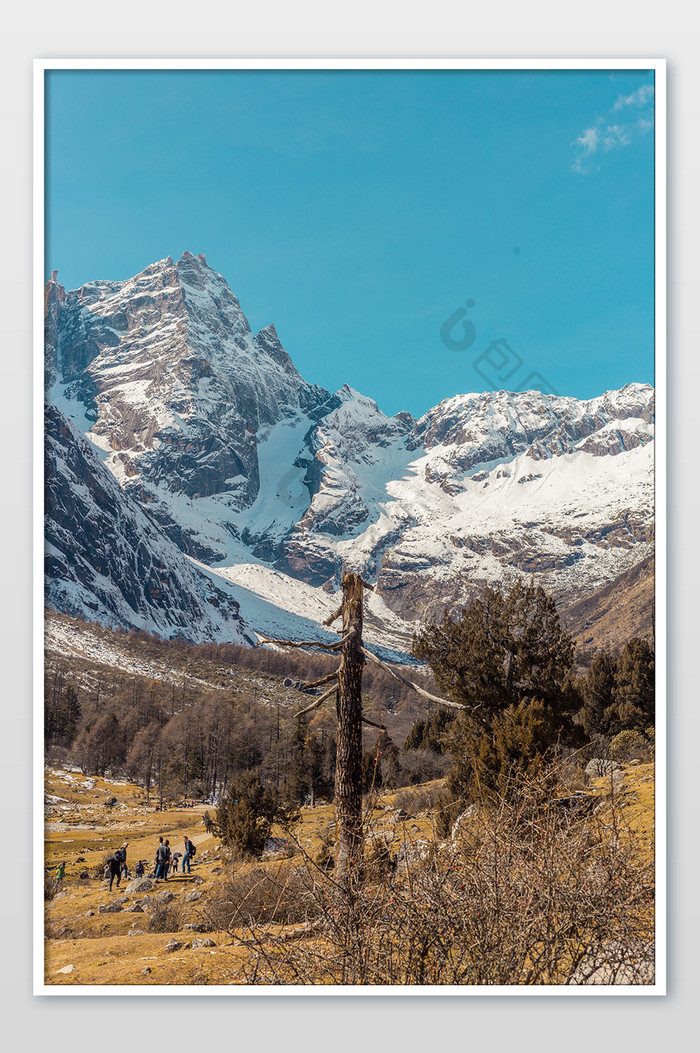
x=107 y=561
x=176 y=390
x=242 y=463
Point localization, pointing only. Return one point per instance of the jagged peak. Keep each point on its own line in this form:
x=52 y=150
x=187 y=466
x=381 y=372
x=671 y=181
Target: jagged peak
x=346 y=393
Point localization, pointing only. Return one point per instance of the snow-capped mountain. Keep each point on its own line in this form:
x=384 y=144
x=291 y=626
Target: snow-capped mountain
x=107 y=561
x=272 y=482
x=165 y=376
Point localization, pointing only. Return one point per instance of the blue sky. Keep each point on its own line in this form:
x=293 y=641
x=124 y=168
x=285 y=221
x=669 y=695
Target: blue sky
x=359 y=211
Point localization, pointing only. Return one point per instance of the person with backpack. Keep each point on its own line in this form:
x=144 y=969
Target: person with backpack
x=115 y=868
x=60 y=872
x=189 y=852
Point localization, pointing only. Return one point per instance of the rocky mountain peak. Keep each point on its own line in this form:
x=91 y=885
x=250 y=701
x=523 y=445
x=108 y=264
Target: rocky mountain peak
x=241 y=462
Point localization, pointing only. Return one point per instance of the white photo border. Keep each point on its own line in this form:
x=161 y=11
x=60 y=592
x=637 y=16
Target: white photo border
x=41 y=67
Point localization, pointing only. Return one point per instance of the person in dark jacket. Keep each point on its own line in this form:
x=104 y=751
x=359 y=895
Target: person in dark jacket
x=162 y=860
x=125 y=869
x=156 y=864
x=115 y=869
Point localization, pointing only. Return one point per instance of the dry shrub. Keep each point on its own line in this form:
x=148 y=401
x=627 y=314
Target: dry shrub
x=419 y=798
x=631 y=745
x=51 y=885
x=531 y=894
x=270 y=896
x=165 y=917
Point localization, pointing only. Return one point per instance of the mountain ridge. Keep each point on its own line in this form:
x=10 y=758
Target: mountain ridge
x=242 y=463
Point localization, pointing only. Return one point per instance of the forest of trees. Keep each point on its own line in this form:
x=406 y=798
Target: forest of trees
x=191 y=736
x=506 y=658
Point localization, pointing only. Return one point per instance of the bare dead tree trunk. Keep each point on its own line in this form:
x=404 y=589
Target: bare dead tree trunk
x=348 y=775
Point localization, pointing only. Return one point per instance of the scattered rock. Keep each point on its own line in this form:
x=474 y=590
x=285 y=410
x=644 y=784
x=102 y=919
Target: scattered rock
x=135 y=932
x=90 y=914
x=66 y=969
x=172 y=945
x=415 y=853
x=110 y=802
x=146 y=971
x=142 y=884
x=84 y=875
x=165 y=896
x=109 y=908
x=80 y=859
x=190 y=897
x=135 y=908
x=459 y=822
x=194 y=926
x=400 y=816
x=274 y=846
x=578 y=803
x=196 y=944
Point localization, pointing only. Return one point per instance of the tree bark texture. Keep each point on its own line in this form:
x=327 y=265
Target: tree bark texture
x=348 y=775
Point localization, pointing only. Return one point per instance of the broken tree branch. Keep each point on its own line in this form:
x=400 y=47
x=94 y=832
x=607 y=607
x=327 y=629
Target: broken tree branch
x=405 y=680
x=318 y=702
x=335 y=646
x=366 y=720
x=317 y=683
x=332 y=617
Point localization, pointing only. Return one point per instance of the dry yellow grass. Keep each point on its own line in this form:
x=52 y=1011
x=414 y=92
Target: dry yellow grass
x=99 y=945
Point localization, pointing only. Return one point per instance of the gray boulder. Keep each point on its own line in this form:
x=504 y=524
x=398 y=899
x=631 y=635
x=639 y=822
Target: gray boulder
x=191 y=897
x=172 y=945
x=196 y=944
x=142 y=884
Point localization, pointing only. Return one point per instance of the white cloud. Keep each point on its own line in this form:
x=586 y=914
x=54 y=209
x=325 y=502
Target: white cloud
x=605 y=135
x=616 y=135
x=641 y=97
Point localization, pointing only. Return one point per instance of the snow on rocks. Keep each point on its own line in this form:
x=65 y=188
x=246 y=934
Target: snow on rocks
x=277 y=486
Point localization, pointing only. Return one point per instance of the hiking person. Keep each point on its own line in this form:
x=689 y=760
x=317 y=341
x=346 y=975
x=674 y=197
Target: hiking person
x=158 y=859
x=189 y=852
x=60 y=871
x=125 y=869
x=162 y=859
x=139 y=869
x=115 y=869
x=175 y=861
